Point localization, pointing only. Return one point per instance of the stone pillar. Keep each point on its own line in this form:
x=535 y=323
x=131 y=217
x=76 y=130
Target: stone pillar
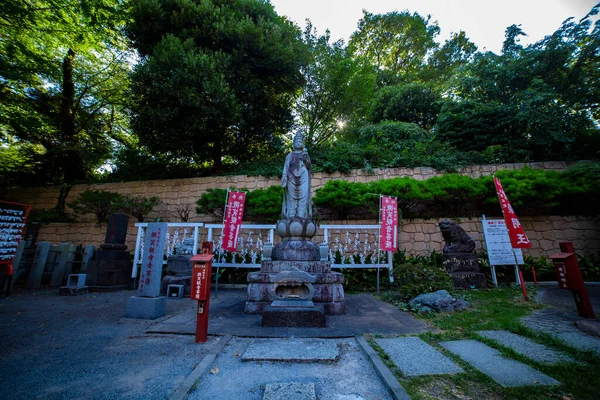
x=110 y=268
x=37 y=270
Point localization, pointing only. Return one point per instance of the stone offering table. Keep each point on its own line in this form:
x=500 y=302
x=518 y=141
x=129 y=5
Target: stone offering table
x=328 y=286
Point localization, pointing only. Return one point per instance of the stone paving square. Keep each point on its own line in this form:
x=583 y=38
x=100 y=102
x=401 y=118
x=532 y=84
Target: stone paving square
x=414 y=357
x=506 y=372
x=298 y=349
x=290 y=390
x=560 y=324
x=526 y=347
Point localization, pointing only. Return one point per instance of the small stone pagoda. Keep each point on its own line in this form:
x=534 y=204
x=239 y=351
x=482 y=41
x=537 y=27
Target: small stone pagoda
x=295 y=285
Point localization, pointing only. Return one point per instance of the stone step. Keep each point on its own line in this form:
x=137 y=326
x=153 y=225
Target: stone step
x=526 y=347
x=289 y=391
x=292 y=350
x=505 y=372
x=414 y=357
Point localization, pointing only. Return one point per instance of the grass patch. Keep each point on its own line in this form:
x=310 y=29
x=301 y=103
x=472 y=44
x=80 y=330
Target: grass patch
x=498 y=309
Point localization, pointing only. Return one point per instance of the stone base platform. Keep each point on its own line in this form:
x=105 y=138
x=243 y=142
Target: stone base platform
x=293 y=317
x=328 y=286
x=146 y=307
x=468 y=280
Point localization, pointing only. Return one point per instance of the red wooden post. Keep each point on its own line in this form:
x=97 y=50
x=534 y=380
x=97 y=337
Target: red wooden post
x=569 y=277
x=523 y=288
x=201 y=271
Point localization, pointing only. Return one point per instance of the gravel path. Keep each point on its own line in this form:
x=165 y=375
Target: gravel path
x=81 y=347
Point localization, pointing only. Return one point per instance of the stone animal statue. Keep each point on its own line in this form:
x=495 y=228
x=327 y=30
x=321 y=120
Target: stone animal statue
x=456 y=239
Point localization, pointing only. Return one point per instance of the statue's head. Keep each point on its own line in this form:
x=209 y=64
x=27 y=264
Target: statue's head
x=298 y=141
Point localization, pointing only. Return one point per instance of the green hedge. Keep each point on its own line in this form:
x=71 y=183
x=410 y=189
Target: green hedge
x=531 y=192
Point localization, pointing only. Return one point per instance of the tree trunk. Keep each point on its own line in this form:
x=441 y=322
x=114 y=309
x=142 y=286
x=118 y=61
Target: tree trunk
x=71 y=161
x=217 y=155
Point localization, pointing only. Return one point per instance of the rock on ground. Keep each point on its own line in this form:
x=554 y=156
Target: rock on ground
x=437 y=301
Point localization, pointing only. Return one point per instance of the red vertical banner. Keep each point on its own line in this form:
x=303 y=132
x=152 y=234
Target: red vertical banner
x=518 y=238
x=388 y=224
x=233 y=220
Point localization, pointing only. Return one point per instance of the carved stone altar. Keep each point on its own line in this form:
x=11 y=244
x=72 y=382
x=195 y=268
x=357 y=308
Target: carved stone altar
x=295 y=286
x=460 y=259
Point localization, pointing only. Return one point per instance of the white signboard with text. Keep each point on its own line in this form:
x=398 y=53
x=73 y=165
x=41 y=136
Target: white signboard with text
x=497 y=242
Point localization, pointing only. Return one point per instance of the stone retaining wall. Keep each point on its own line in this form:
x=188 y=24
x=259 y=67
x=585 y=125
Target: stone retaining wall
x=416 y=237
x=176 y=193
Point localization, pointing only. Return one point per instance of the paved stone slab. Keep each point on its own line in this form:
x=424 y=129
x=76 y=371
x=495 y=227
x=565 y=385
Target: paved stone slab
x=527 y=347
x=290 y=390
x=489 y=361
x=299 y=350
x=560 y=324
x=415 y=357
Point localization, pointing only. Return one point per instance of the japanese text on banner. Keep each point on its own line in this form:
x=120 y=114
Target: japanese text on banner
x=518 y=238
x=388 y=229
x=233 y=220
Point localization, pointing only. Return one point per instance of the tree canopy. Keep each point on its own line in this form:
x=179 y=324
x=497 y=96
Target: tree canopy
x=150 y=89
x=216 y=79
x=63 y=73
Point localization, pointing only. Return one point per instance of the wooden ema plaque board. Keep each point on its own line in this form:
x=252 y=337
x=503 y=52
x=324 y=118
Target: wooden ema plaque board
x=13 y=217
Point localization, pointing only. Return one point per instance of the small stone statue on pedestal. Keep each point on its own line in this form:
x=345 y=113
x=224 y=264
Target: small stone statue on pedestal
x=460 y=259
x=296 y=226
x=295 y=285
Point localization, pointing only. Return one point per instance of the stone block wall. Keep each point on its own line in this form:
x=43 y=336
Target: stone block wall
x=416 y=236
x=176 y=193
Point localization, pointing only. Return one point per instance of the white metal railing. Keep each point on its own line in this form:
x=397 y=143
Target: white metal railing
x=250 y=245
x=356 y=246
x=177 y=233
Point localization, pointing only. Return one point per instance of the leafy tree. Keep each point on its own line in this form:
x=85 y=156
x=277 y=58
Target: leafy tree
x=138 y=206
x=337 y=88
x=397 y=41
x=535 y=99
x=98 y=202
x=62 y=80
x=456 y=52
x=216 y=79
x=414 y=102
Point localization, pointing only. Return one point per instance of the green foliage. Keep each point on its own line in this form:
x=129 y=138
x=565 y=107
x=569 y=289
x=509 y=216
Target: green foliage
x=413 y=102
x=49 y=215
x=544 y=269
x=340 y=196
x=538 y=101
x=212 y=202
x=338 y=88
x=264 y=205
x=138 y=206
x=396 y=42
x=63 y=68
x=590 y=267
x=98 y=202
x=217 y=78
x=413 y=279
x=531 y=192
